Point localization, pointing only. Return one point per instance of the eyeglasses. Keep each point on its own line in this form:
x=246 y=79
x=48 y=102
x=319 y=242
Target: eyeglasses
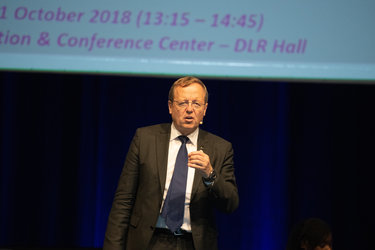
x=185 y=104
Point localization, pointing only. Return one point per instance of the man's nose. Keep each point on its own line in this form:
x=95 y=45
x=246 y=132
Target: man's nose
x=190 y=108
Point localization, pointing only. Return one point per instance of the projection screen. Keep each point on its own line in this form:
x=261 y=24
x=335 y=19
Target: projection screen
x=273 y=39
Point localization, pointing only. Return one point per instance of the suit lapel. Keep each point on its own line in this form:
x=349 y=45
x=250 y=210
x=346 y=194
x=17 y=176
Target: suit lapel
x=162 y=146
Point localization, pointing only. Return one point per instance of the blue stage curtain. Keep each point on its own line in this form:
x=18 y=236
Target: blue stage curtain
x=301 y=150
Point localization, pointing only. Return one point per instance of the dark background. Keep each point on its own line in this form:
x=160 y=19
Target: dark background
x=301 y=150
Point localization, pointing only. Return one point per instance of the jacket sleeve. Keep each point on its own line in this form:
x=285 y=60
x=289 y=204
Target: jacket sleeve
x=224 y=191
x=119 y=217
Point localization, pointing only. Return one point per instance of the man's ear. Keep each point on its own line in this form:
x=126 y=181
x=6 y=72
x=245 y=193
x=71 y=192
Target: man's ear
x=170 y=106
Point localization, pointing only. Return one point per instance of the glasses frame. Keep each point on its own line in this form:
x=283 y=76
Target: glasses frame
x=194 y=104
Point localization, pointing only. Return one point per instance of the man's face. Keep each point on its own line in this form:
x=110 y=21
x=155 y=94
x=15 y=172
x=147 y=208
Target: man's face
x=186 y=118
x=325 y=245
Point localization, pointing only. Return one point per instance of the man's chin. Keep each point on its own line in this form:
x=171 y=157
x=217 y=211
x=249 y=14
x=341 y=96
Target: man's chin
x=191 y=125
x=187 y=128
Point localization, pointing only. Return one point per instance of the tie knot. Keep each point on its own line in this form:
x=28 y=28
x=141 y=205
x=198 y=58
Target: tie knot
x=183 y=139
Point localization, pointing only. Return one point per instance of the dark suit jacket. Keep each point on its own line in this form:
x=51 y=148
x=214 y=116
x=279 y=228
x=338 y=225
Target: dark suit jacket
x=139 y=194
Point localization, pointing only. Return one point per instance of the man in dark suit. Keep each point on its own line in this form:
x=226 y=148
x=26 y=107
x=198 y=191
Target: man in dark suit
x=143 y=215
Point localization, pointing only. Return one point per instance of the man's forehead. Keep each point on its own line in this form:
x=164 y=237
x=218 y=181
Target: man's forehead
x=184 y=93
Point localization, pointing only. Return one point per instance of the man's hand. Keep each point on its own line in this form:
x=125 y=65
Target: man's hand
x=201 y=162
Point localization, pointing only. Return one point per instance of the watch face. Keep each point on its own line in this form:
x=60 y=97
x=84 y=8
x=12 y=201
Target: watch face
x=212 y=176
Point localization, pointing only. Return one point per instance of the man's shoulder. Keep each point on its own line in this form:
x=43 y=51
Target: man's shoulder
x=212 y=137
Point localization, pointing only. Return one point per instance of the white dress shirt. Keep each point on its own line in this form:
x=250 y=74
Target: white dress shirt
x=174 y=146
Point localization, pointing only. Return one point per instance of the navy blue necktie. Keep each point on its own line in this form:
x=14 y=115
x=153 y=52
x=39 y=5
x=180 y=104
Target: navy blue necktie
x=174 y=204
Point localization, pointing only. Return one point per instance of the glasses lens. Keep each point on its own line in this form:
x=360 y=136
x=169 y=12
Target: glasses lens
x=185 y=104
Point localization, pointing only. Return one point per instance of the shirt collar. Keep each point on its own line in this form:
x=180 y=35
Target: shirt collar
x=193 y=137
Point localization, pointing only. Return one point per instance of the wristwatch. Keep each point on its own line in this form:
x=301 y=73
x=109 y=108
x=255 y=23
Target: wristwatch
x=209 y=181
